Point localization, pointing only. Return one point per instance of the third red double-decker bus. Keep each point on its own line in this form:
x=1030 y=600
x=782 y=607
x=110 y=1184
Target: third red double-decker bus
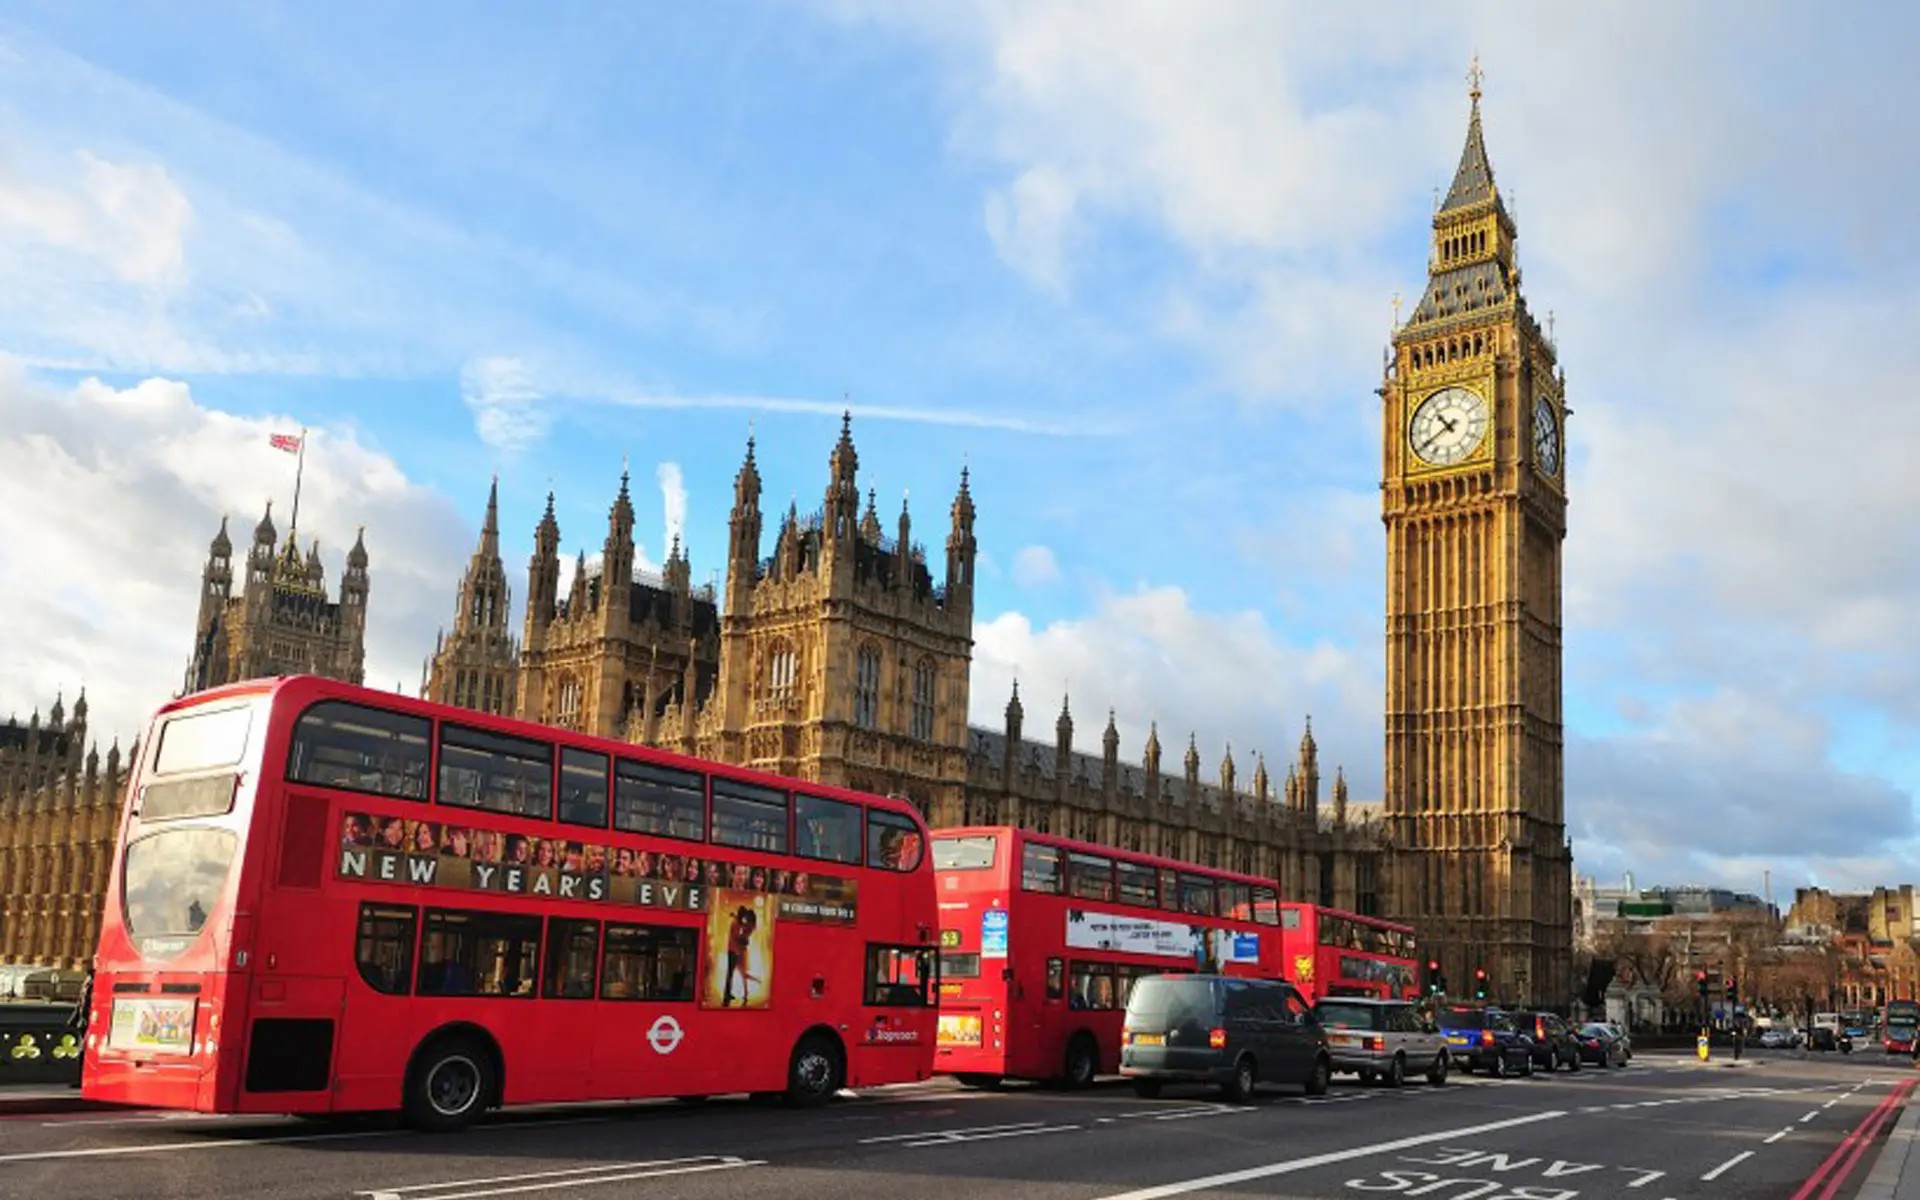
x=1042 y=937
x=331 y=899
x=1335 y=953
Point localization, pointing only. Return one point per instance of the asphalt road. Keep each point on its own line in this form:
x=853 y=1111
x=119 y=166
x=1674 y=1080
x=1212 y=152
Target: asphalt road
x=1660 y=1129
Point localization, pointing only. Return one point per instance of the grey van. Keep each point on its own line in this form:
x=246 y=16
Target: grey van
x=1238 y=1033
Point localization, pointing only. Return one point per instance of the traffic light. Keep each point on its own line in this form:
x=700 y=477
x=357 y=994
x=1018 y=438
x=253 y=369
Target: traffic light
x=1733 y=991
x=1436 y=982
x=1479 y=983
x=1700 y=983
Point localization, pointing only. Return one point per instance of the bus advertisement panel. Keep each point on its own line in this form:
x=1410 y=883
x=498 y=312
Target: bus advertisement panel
x=1334 y=953
x=1042 y=938
x=331 y=899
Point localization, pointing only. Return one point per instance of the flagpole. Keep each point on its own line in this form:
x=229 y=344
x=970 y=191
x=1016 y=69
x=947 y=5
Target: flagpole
x=299 y=469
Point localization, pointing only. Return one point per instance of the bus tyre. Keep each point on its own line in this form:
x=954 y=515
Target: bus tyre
x=979 y=1081
x=1396 y=1072
x=1239 y=1089
x=1321 y=1075
x=1147 y=1089
x=1083 y=1060
x=449 y=1085
x=813 y=1074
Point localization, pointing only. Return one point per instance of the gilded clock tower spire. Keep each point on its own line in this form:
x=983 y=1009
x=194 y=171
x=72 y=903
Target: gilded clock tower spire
x=1474 y=502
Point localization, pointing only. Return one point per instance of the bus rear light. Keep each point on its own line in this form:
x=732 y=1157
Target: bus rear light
x=1217 y=1039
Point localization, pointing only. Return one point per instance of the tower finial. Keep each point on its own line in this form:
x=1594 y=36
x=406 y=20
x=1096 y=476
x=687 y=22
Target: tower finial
x=1474 y=77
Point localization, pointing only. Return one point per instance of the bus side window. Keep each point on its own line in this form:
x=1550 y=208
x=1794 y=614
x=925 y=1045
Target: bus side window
x=893 y=841
x=648 y=962
x=360 y=749
x=479 y=954
x=572 y=947
x=383 y=949
x=900 y=976
x=583 y=787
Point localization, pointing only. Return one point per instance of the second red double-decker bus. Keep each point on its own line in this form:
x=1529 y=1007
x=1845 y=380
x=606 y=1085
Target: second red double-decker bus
x=1335 y=953
x=1042 y=938
x=330 y=899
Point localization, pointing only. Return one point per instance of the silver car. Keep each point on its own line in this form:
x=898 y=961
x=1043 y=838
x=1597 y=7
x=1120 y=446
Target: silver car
x=1386 y=1040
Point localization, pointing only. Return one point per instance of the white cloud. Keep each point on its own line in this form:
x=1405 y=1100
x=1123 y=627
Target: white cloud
x=1029 y=221
x=130 y=218
x=508 y=410
x=1035 y=566
x=673 y=497
x=1150 y=655
x=108 y=498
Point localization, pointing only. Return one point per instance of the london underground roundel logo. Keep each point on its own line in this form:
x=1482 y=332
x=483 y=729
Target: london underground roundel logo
x=665 y=1035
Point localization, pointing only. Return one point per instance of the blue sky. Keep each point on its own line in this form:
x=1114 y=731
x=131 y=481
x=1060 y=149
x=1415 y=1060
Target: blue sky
x=1132 y=264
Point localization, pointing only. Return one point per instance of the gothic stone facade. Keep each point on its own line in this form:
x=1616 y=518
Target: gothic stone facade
x=1283 y=836
x=1474 y=501
x=282 y=622
x=839 y=658
x=59 y=808
x=474 y=667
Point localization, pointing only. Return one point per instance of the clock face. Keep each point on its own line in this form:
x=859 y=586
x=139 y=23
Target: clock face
x=1448 y=426
x=1546 y=437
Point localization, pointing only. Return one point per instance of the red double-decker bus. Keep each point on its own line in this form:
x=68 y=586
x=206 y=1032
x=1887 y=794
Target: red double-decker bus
x=331 y=899
x=1334 y=953
x=1042 y=938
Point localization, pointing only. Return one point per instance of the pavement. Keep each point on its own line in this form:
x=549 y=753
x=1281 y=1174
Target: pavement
x=1821 y=1128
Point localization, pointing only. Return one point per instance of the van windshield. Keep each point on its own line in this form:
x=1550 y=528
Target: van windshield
x=1169 y=1001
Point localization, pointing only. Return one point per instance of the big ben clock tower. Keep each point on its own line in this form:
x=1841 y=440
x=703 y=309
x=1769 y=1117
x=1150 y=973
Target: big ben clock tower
x=1473 y=496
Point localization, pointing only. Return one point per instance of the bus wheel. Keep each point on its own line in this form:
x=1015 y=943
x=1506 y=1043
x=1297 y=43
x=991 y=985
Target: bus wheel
x=813 y=1076
x=449 y=1085
x=974 y=1079
x=1083 y=1060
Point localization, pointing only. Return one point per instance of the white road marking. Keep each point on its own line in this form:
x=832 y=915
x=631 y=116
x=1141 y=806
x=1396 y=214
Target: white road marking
x=1290 y=1166
x=988 y=1137
x=571 y=1177
x=1830 y=1103
x=222 y=1143
x=974 y=1133
x=1776 y=1137
x=1728 y=1165
x=1810 y=1116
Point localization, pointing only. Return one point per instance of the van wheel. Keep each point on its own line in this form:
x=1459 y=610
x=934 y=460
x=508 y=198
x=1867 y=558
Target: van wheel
x=1147 y=1089
x=814 y=1073
x=449 y=1085
x=1437 y=1073
x=1320 y=1077
x=1396 y=1072
x=1239 y=1089
x=974 y=1079
x=1083 y=1060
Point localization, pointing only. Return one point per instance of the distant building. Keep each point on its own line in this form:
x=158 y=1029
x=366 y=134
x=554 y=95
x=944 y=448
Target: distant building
x=475 y=666
x=1600 y=909
x=58 y=811
x=282 y=623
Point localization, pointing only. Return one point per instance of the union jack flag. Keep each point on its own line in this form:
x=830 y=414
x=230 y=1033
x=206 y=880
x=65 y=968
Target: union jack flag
x=290 y=442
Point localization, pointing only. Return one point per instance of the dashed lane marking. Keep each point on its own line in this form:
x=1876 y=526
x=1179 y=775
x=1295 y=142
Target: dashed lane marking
x=538 y=1181
x=1726 y=1166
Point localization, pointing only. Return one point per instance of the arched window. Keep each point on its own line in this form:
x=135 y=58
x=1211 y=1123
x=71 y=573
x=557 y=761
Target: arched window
x=782 y=671
x=567 y=703
x=923 y=680
x=866 y=688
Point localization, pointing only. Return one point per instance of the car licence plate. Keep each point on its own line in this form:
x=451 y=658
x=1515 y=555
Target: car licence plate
x=1344 y=1039
x=1149 y=1039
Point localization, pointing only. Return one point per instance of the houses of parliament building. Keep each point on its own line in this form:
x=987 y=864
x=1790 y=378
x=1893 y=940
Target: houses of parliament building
x=833 y=652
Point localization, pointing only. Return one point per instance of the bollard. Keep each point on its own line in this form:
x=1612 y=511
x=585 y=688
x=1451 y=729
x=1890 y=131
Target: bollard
x=1700 y=1046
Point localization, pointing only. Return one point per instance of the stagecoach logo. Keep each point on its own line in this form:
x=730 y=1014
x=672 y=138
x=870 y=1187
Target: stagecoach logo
x=431 y=854
x=664 y=1035
x=881 y=1035
x=1303 y=968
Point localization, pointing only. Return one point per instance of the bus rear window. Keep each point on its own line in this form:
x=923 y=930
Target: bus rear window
x=171 y=883
x=959 y=966
x=195 y=741
x=963 y=853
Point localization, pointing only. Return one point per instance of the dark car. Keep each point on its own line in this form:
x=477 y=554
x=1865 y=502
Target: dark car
x=1553 y=1040
x=1600 y=1045
x=1487 y=1039
x=1825 y=1037
x=1237 y=1033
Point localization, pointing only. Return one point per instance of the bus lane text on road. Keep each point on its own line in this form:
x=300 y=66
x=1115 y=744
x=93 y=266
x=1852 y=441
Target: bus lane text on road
x=1471 y=1173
